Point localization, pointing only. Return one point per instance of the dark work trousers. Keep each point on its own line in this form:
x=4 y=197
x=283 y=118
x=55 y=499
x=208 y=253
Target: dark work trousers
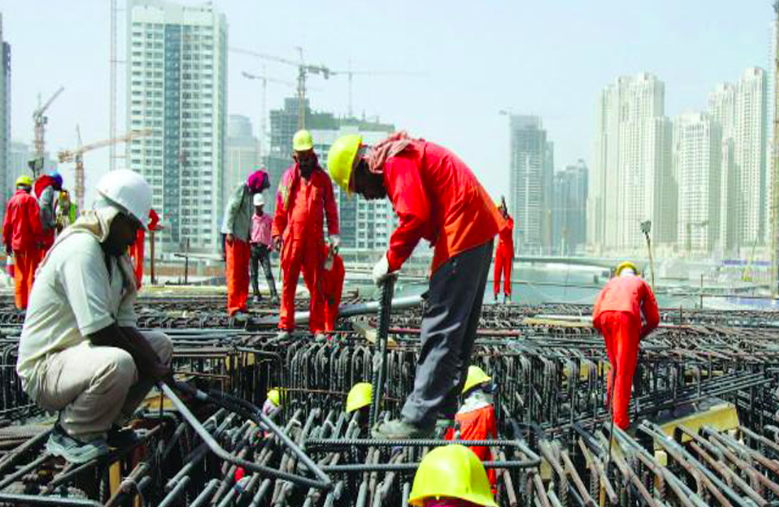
x=261 y=255
x=448 y=330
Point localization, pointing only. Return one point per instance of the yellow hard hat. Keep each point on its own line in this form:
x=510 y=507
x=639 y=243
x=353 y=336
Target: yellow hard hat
x=452 y=471
x=359 y=396
x=476 y=376
x=302 y=141
x=24 y=180
x=340 y=160
x=626 y=265
x=275 y=396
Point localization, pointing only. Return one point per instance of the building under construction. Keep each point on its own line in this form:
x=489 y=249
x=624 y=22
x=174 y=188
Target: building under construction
x=705 y=413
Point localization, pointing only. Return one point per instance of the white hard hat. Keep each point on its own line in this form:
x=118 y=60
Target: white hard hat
x=129 y=191
x=259 y=201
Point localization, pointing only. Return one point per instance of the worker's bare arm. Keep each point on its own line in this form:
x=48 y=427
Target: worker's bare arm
x=132 y=341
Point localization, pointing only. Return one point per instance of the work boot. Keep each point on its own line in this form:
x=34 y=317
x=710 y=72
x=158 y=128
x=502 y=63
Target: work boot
x=274 y=299
x=74 y=451
x=506 y=299
x=320 y=337
x=496 y=298
x=282 y=336
x=240 y=317
x=400 y=430
x=121 y=438
x=257 y=297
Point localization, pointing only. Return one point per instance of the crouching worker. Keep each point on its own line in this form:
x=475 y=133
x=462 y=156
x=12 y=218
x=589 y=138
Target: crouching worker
x=452 y=476
x=359 y=400
x=81 y=353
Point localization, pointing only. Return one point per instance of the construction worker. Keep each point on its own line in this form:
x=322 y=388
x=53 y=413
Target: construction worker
x=504 y=255
x=304 y=199
x=261 y=249
x=625 y=312
x=80 y=352
x=452 y=476
x=359 y=399
x=237 y=227
x=137 y=250
x=475 y=420
x=45 y=188
x=67 y=212
x=436 y=197
x=21 y=236
x=332 y=285
x=272 y=402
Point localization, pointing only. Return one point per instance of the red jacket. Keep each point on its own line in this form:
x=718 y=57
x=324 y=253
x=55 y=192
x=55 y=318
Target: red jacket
x=437 y=198
x=297 y=218
x=506 y=240
x=628 y=294
x=22 y=225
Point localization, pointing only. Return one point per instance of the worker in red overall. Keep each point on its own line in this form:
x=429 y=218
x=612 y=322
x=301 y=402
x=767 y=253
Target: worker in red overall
x=21 y=236
x=436 y=197
x=137 y=250
x=625 y=312
x=304 y=198
x=332 y=286
x=504 y=255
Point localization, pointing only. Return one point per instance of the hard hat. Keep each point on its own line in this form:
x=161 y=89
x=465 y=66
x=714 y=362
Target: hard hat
x=24 y=180
x=340 y=160
x=476 y=376
x=302 y=141
x=275 y=396
x=626 y=265
x=129 y=191
x=359 y=396
x=259 y=200
x=452 y=471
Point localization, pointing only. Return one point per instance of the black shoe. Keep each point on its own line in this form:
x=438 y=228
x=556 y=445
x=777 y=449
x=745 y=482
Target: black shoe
x=121 y=438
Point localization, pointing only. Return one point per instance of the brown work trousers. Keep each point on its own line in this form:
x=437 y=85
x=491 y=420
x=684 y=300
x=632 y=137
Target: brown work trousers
x=94 y=387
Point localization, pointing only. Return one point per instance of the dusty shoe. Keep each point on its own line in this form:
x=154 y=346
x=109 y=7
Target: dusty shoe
x=121 y=438
x=282 y=336
x=74 y=451
x=241 y=317
x=399 y=430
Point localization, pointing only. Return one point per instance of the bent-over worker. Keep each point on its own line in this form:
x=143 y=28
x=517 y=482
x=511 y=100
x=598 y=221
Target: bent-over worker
x=625 y=312
x=81 y=353
x=436 y=197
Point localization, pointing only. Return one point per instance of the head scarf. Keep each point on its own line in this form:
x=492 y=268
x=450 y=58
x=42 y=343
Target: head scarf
x=383 y=151
x=258 y=181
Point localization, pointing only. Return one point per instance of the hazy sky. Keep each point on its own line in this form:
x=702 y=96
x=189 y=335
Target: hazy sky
x=548 y=58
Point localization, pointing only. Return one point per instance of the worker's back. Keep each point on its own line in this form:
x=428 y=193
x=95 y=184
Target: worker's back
x=628 y=294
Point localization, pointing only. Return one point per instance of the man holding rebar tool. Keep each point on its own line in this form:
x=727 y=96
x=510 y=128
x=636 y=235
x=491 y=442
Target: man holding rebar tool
x=436 y=197
x=625 y=312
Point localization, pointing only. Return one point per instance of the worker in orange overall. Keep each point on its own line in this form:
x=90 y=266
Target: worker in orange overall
x=504 y=255
x=332 y=285
x=137 y=249
x=21 y=236
x=304 y=198
x=475 y=420
x=237 y=227
x=625 y=312
x=436 y=197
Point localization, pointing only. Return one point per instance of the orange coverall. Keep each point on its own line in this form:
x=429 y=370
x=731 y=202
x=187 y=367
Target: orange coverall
x=301 y=206
x=477 y=424
x=22 y=233
x=625 y=312
x=332 y=287
x=137 y=249
x=504 y=258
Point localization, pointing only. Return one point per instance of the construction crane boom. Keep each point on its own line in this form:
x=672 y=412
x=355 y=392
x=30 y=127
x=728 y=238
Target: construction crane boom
x=77 y=155
x=265 y=79
x=40 y=124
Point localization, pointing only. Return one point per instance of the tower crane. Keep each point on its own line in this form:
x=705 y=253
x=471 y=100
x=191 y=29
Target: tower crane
x=350 y=74
x=77 y=155
x=303 y=71
x=40 y=123
x=265 y=79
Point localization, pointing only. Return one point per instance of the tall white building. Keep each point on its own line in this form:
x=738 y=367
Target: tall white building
x=698 y=157
x=243 y=155
x=722 y=110
x=632 y=176
x=6 y=183
x=177 y=87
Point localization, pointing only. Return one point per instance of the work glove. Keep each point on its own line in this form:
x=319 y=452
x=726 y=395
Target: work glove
x=334 y=240
x=381 y=270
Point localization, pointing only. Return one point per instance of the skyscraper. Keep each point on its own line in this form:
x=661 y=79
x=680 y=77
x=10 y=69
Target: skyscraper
x=243 y=155
x=530 y=183
x=698 y=158
x=632 y=178
x=6 y=185
x=570 y=209
x=176 y=87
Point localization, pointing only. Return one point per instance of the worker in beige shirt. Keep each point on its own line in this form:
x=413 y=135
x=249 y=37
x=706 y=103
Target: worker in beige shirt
x=80 y=352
